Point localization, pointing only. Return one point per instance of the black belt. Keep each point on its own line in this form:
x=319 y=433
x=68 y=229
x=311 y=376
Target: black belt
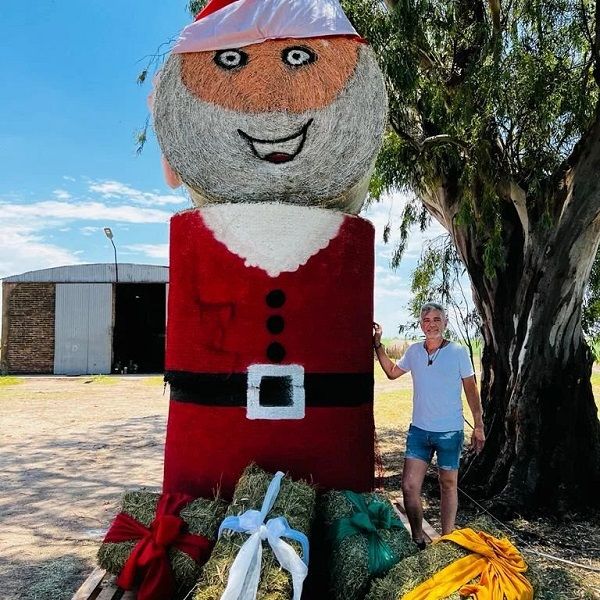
x=321 y=389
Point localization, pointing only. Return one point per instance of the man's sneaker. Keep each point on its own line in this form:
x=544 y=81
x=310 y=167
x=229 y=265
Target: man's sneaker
x=420 y=544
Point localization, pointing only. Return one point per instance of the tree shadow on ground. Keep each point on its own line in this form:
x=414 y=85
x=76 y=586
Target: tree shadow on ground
x=51 y=579
x=60 y=493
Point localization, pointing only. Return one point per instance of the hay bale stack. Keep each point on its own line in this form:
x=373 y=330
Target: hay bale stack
x=414 y=570
x=202 y=517
x=348 y=559
x=295 y=502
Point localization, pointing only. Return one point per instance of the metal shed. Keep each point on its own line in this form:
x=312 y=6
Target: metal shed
x=78 y=319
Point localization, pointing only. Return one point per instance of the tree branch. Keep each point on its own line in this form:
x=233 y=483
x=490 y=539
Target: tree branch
x=444 y=138
x=596 y=45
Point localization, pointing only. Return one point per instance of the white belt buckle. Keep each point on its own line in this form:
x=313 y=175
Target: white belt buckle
x=275 y=392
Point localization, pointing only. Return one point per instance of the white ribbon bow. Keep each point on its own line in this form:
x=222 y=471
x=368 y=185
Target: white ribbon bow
x=244 y=574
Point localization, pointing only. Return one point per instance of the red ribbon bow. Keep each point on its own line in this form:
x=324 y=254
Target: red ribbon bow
x=148 y=564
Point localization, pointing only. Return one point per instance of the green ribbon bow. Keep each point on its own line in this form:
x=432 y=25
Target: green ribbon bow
x=366 y=520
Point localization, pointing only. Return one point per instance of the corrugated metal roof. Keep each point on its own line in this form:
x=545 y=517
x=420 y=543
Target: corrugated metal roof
x=96 y=273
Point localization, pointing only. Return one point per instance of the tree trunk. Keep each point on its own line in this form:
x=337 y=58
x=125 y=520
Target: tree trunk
x=543 y=434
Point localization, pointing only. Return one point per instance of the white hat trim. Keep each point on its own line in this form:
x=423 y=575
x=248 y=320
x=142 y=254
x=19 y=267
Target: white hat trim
x=246 y=22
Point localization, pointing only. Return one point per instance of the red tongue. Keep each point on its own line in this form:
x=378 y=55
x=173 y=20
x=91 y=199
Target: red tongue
x=278 y=157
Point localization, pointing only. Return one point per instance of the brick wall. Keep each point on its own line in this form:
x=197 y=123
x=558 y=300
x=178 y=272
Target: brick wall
x=28 y=344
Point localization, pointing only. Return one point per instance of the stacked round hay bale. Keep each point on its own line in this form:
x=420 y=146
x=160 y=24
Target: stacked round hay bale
x=202 y=517
x=295 y=502
x=414 y=570
x=348 y=559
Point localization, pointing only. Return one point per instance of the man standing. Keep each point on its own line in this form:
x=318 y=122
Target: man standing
x=439 y=369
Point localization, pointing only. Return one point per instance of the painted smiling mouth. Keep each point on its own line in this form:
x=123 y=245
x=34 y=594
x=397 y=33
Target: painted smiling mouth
x=280 y=150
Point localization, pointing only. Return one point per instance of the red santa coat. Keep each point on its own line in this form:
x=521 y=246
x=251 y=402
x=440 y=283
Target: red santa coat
x=225 y=317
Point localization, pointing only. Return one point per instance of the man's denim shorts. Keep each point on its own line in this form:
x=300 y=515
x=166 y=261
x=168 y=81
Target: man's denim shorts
x=447 y=445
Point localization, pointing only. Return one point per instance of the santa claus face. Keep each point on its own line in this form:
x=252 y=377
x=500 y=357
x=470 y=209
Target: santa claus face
x=294 y=120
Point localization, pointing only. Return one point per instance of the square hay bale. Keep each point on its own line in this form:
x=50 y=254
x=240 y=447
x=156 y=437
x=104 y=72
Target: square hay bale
x=202 y=517
x=414 y=570
x=295 y=502
x=348 y=559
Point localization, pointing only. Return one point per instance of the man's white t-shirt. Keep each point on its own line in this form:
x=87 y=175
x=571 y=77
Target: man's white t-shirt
x=437 y=404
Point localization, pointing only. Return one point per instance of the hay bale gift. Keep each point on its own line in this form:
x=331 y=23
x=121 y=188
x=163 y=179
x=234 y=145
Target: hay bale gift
x=473 y=561
x=158 y=542
x=251 y=553
x=364 y=540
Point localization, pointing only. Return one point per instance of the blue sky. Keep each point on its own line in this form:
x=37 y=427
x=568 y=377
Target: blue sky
x=70 y=108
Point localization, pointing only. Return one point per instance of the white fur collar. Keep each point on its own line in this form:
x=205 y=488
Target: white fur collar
x=274 y=237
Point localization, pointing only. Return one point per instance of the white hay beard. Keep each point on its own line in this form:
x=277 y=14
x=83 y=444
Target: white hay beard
x=201 y=142
x=276 y=238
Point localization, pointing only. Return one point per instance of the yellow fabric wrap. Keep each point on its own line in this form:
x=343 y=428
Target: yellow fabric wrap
x=498 y=563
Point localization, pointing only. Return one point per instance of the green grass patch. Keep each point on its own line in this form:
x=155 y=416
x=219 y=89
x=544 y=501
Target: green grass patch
x=6 y=380
x=101 y=379
x=154 y=381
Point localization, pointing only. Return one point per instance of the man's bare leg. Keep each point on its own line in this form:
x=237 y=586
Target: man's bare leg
x=448 y=499
x=413 y=475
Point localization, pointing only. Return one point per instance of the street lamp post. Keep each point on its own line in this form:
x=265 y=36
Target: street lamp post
x=109 y=234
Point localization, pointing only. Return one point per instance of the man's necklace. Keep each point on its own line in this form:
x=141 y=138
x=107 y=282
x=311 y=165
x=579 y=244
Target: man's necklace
x=432 y=357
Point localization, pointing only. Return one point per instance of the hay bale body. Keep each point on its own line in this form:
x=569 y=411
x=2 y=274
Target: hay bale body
x=348 y=559
x=414 y=570
x=202 y=517
x=295 y=502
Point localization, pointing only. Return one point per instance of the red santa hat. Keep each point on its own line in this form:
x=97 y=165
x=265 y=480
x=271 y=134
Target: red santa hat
x=224 y=24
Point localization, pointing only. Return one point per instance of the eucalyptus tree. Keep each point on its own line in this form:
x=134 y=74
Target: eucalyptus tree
x=495 y=127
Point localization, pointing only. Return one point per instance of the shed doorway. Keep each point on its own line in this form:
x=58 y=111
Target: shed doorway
x=139 y=329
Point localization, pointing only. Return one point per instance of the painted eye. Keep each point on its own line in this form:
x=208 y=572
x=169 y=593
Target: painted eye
x=231 y=59
x=298 y=56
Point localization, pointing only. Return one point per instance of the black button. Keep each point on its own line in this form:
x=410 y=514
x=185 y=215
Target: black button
x=275 y=298
x=275 y=324
x=275 y=352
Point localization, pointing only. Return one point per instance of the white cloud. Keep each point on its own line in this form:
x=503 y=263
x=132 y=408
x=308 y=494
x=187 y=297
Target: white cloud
x=28 y=229
x=23 y=252
x=90 y=230
x=151 y=250
x=392 y=287
x=44 y=214
x=62 y=194
x=116 y=189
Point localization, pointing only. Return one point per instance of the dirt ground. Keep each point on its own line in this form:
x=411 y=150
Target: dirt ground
x=69 y=447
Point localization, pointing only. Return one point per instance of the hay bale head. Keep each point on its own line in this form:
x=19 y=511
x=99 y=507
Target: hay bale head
x=296 y=120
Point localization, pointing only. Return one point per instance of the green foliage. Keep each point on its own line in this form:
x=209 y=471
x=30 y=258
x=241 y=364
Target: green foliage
x=141 y=136
x=195 y=6
x=591 y=309
x=440 y=275
x=480 y=97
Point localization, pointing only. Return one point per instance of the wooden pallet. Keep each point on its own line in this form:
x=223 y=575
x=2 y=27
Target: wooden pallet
x=100 y=585
x=429 y=532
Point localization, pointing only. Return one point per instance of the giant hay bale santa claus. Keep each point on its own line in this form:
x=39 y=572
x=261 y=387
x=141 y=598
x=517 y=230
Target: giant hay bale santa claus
x=271 y=113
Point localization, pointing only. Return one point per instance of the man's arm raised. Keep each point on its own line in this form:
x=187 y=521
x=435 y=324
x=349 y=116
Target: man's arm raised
x=390 y=368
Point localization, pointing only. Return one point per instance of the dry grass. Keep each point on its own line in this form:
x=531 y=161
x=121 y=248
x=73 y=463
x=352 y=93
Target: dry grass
x=6 y=380
x=576 y=538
